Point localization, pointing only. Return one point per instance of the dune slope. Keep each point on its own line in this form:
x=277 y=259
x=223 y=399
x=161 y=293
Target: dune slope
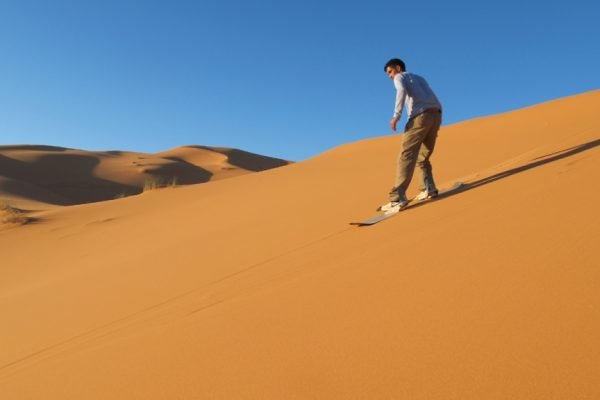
x=257 y=287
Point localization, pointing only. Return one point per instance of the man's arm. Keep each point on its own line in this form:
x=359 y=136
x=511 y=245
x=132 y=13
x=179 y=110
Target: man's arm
x=400 y=99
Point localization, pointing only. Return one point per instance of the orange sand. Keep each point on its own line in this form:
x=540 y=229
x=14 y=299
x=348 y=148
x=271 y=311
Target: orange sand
x=257 y=288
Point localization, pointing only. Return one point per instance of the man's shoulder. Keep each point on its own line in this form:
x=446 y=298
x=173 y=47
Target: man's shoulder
x=408 y=77
x=399 y=81
x=412 y=75
x=404 y=77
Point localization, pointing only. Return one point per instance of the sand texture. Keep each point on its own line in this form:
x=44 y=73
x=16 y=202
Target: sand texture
x=258 y=288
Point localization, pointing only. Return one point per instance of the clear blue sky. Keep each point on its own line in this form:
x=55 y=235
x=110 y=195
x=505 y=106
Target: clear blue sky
x=289 y=79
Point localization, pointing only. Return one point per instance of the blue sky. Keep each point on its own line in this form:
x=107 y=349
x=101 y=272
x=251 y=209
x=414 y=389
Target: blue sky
x=289 y=79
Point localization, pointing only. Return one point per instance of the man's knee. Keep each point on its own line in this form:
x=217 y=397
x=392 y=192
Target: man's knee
x=424 y=163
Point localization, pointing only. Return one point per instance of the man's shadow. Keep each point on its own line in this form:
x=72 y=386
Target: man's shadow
x=536 y=162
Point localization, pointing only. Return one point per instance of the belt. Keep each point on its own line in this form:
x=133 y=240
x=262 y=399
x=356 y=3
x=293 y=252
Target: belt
x=427 y=110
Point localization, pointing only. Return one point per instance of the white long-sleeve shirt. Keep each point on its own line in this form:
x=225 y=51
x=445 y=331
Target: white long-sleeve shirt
x=414 y=91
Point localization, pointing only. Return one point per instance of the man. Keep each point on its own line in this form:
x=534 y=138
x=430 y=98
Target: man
x=424 y=120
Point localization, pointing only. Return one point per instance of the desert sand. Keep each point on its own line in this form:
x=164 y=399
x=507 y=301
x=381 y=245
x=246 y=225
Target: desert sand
x=257 y=287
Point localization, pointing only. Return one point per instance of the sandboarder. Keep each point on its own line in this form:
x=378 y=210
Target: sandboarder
x=424 y=119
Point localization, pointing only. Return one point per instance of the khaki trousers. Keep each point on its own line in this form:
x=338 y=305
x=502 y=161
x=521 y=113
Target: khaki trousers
x=420 y=135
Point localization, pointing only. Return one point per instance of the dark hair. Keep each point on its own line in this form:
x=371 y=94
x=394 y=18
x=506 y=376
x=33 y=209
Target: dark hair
x=394 y=62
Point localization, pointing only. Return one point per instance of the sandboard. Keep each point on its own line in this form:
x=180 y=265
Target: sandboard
x=385 y=215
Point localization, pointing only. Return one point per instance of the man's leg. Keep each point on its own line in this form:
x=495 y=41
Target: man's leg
x=425 y=152
x=415 y=132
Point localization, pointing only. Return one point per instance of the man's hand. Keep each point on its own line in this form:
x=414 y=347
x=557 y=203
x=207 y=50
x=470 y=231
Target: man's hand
x=393 y=123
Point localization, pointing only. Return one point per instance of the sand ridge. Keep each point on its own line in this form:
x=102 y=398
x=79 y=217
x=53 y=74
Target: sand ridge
x=38 y=175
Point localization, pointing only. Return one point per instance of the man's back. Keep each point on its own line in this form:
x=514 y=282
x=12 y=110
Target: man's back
x=418 y=94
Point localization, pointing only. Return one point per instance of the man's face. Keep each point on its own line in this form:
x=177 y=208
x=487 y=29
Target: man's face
x=393 y=71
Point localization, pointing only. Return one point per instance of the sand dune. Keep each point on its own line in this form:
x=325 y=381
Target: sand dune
x=257 y=287
x=55 y=175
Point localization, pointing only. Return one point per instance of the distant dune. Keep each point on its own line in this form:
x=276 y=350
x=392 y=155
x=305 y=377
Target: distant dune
x=258 y=288
x=60 y=176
